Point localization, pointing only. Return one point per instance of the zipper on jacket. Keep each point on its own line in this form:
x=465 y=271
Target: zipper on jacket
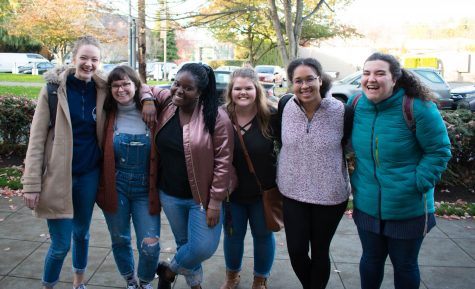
x=374 y=155
x=376 y=152
x=309 y=121
x=83 y=108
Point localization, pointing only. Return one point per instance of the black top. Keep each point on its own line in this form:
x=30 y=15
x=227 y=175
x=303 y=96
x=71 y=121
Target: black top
x=263 y=157
x=173 y=177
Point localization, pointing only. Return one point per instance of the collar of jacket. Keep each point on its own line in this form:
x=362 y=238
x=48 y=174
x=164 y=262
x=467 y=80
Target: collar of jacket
x=394 y=100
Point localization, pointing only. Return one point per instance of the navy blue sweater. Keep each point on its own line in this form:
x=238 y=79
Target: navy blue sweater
x=82 y=109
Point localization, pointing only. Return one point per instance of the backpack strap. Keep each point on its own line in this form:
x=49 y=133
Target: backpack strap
x=355 y=100
x=280 y=110
x=408 y=112
x=52 y=89
x=347 y=124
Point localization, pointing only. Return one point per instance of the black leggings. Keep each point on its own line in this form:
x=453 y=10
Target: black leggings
x=315 y=224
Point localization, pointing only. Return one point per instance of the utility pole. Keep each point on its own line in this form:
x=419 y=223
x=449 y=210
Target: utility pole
x=163 y=35
x=142 y=42
x=132 y=37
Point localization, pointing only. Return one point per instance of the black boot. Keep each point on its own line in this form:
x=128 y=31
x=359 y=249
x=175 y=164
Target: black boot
x=163 y=282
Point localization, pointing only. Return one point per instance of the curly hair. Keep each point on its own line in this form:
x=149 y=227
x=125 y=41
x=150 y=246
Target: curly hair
x=404 y=78
x=85 y=40
x=206 y=83
x=121 y=73
x=316 y=67
x=263 y=112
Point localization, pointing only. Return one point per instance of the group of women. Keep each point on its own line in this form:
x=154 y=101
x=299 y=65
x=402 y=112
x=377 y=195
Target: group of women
x=136 y=150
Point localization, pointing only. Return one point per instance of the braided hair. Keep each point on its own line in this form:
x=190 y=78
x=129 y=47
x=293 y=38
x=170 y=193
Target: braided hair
x=206 y=83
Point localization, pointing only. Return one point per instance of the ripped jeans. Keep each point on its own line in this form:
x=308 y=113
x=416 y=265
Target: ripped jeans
x=133 y=202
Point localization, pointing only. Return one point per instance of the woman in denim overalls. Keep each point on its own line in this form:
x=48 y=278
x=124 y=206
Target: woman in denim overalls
x=127 y=193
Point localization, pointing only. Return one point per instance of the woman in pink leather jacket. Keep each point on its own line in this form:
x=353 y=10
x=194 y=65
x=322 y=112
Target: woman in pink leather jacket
x=194 y=139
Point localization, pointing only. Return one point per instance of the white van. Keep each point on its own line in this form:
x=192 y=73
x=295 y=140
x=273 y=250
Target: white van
x=9 y=61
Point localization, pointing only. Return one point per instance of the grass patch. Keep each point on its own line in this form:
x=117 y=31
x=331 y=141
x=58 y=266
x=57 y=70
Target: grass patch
x=459 y=208
x=10 y=177
x=21 y=78
x=25 y=91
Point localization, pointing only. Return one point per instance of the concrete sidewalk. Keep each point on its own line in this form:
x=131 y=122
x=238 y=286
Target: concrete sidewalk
x=447 y=258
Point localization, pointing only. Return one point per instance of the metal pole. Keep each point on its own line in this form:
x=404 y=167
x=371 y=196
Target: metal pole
x=131 y=47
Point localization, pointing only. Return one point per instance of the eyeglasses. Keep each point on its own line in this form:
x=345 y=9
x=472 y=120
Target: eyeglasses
x=308 y=81
x=124 y=85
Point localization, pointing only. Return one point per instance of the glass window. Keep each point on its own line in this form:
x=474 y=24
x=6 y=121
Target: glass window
x=429 y=75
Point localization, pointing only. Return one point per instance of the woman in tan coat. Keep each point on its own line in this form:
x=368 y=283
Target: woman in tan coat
x=62 y=162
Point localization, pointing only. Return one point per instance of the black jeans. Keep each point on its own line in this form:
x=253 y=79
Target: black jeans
x=315 y=225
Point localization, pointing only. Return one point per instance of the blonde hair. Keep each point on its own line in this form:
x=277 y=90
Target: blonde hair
x=263 y=112
x=85 y=40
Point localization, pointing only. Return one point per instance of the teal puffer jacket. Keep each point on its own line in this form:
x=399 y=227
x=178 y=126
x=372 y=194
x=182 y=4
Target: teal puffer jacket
x=396 y=167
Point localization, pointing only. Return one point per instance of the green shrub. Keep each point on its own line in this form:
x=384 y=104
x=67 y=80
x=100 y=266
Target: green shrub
x=10 y=177
x=16 y=114
x=461 y=168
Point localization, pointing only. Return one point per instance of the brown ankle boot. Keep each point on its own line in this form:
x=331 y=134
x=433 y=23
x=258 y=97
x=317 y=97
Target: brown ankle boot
x=259 y=283
x=232 y=280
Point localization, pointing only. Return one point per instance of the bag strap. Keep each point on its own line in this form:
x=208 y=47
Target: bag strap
x=347 y=124
x=355 y=100
x=280 y=110
x=245 y=151
x=52 y=89
x=408 y=111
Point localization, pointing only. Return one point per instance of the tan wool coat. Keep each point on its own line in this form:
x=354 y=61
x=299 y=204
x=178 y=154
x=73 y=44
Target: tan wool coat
x=48 y=163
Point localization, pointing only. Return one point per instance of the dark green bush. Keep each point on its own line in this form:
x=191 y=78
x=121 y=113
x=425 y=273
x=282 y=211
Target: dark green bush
x=461 y=168
x=16 y=114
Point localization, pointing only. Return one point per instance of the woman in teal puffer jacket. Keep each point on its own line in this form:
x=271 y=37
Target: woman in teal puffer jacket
x=396 y=169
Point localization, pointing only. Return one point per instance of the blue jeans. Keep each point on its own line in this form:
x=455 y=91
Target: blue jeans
x=84 y=189
x=263 y=239
x=132 y=159
x=133 y=201
x=195 y=241
x=403 y=254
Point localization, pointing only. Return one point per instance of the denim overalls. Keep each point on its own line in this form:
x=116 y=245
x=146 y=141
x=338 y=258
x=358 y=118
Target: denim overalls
x=132 y=158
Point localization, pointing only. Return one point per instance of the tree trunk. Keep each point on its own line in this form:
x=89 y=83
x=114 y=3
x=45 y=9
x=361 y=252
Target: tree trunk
x=278 y=31
x=141 y=42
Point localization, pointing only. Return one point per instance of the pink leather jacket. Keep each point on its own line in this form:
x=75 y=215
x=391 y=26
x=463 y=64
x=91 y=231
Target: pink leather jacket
x=209 y=158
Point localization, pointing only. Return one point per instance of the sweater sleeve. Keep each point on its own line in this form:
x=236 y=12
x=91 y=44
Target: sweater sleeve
x=434 y=142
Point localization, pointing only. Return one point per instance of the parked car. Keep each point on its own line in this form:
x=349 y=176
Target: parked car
x=227 y=68
x=107 y=67
x=173 y=71
x=271 y=74
x=350 y=85
x=10 y=61
x=464 y=97
x=42 y=67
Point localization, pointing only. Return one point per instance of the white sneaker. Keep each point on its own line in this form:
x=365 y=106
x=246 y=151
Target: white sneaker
x=146 y=286
x=81 y=286
x=133 y=285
